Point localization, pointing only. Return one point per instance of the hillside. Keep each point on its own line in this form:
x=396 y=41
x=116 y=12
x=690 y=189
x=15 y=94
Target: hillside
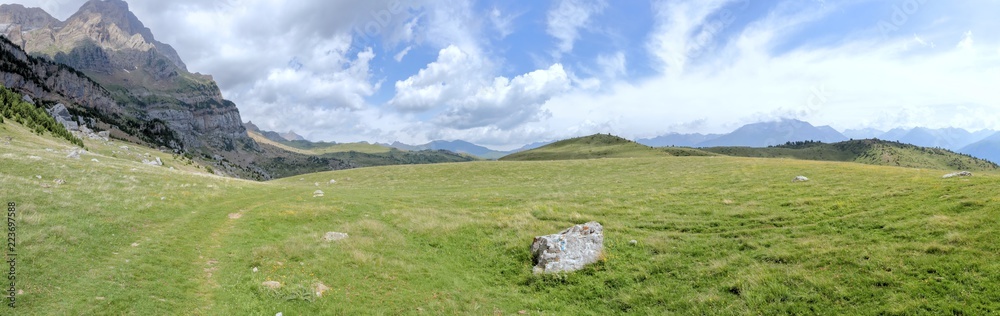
x=713 y=236
x=873 y=152
x=589 y=147
x=988 y=148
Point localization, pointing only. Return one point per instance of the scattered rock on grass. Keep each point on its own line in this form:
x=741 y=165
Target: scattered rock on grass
x=74 y=154
x=334 y=236
x=318 y=193
x=59 y=181
x=320 y=288
x=958 y=174
x=800 y=179
x=271 y=284
x=570 y=250
x=633 y=242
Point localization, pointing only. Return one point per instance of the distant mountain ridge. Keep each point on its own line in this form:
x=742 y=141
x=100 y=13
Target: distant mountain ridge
x=988 y=148
x=775 y=133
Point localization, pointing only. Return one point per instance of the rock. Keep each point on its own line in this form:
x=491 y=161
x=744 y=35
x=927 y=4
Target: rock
x=156 y=162
x=254 y=270
x=633 y=242
x=28 y=99
x=75 y=154
x=104 y=134
x=318 y=193
x=125 y=148
x=86 y=130
x=59 y=181
x=271 y=285
x=316 y=184
x=62 y=116
x=958 y=174
x=38 y=177
x=570 y=250
x=320 y=288
x=334 y=236
x=235 y=215
x=800 y=179
x=333 y=181
x=94 y=160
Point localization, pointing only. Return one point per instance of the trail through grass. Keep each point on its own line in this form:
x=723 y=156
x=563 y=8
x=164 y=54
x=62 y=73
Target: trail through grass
x=716 y=235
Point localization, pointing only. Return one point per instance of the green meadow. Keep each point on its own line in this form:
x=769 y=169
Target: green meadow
x=715 y=235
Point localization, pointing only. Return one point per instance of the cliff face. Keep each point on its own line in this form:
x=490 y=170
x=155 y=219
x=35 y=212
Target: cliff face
x=109 y=44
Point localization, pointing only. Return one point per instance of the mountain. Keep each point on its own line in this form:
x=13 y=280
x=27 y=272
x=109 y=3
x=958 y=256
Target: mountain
x=868 y=151
x=948 y=138
x=292 y=136
x=589 y=147
x=864 y=133
x=988 y=148
x=109 y=44
x=775 y=133
x=675 y=139
x=456 y=146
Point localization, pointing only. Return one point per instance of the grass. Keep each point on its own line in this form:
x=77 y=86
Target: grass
x=322 y=148
x=589 y=147
x=716 y=235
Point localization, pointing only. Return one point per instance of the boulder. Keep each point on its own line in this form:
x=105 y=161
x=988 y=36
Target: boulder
x=800 y=179
x=75 y=154
x=28 y=99
x=104 y=134
x=318 y=193
x=155 y=162
x=958 y=174
x=334 y=236
x=333 y=181
x=570 y=250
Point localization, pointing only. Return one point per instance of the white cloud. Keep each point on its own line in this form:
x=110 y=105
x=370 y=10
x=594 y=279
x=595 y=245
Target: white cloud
x=567 y=17
x=503 y=24
x=966 y=42
x=399 y=56
x=460 y=84
x=614 y=65
x=674 y=40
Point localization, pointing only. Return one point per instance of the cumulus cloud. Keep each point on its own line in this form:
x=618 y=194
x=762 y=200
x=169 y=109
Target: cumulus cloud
x=461 y=82
x=567 y=17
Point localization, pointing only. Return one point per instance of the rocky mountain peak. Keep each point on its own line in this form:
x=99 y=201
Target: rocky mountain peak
x=28 y=18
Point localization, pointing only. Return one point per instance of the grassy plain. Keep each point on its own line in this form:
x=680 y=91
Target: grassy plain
x=716 y=235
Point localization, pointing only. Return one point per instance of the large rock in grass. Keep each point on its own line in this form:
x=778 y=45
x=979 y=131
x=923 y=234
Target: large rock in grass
x=570 y=250
x=958 y=174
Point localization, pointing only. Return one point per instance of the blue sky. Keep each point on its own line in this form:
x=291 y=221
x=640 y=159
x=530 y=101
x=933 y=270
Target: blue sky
x=507 y=73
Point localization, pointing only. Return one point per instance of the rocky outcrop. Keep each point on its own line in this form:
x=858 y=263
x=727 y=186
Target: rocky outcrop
x=570 y=250
x=961 y=174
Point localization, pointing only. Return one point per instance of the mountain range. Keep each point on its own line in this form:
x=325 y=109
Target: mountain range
x=120 y=78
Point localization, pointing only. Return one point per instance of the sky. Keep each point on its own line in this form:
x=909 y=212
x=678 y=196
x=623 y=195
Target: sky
x=507 y=73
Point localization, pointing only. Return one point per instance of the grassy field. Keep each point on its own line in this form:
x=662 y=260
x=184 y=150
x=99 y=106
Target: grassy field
x=716 y=235
x=589 y=147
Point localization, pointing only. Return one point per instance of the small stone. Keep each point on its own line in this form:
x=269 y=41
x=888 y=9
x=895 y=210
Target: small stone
x=38 y=177
x=800 y=179
x=59 y=181
x=318 y=193
x=320 y=288
x=135 y=244
x=333 y=181
x=255 y=270
x=334 y=236
x=271 y=285
x=633 y=242
x=94 y=160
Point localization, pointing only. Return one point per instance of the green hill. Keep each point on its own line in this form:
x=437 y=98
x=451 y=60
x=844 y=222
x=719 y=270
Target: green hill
x=871 y=151
x=714 y=236
x=589 y=147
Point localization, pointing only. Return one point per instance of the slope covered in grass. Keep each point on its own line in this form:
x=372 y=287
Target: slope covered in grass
x=873 y=152
x=316 y=149
x=589 y=147
x=716 y=235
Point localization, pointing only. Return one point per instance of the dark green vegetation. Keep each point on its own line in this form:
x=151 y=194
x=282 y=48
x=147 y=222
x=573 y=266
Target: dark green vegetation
x=870 y=151
x=31 y=116
x=716 y=236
